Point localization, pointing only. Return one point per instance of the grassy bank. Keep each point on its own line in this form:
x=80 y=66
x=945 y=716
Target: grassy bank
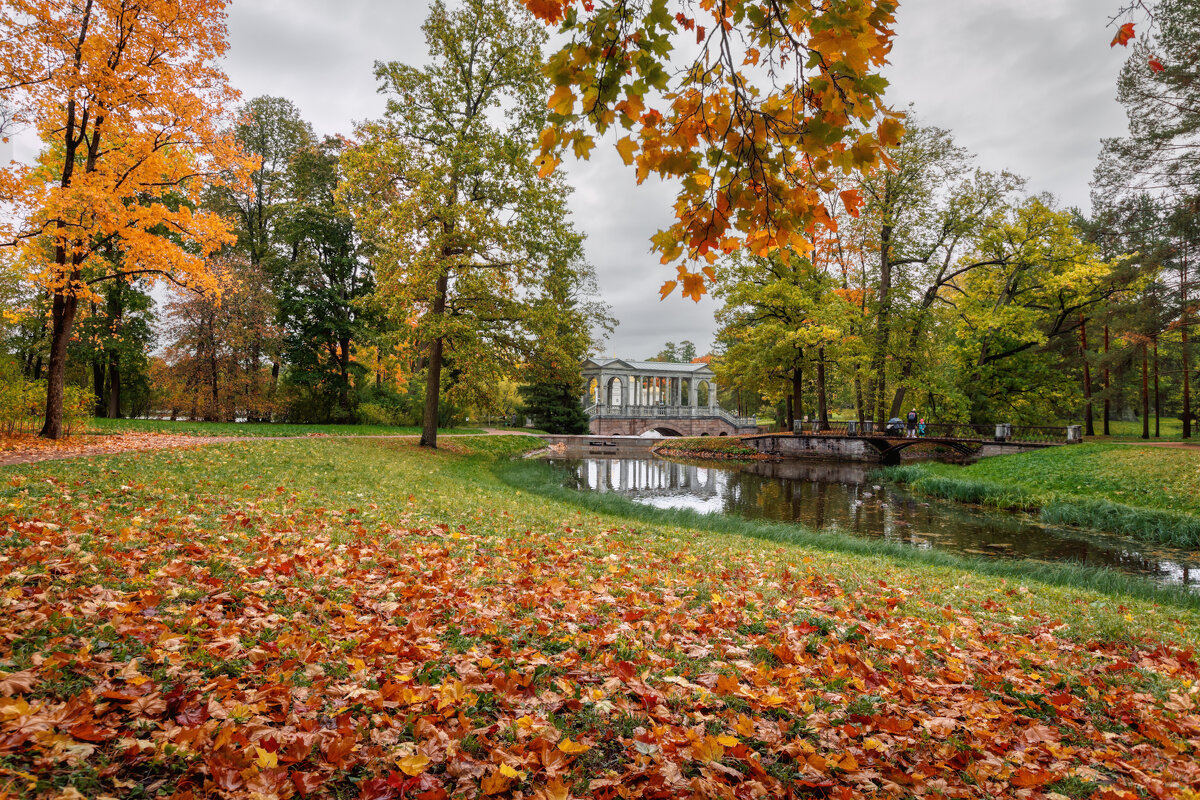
x=341 y=618
x=1149 y=493
x=182 y=428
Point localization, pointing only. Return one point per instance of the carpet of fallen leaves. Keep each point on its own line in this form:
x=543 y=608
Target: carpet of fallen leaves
x=260 y=645
x=28 y=449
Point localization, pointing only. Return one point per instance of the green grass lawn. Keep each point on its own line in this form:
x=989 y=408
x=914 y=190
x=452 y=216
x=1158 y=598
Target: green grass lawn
x=100 y=425
x=346 y=618
x=1170 y=428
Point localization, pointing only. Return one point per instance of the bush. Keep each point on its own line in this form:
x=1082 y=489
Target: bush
x=23 y=405
x=375 y=414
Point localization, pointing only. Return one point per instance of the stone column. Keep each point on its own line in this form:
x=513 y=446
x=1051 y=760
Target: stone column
x=712 y=395
x=694 y=391
x=627 y=395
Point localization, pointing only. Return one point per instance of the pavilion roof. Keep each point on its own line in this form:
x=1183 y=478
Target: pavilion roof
x=689 y=368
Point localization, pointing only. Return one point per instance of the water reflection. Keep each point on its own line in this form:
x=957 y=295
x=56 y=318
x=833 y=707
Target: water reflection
x=838 y=497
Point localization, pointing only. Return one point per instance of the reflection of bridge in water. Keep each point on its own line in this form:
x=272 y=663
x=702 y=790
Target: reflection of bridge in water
x=648 y=477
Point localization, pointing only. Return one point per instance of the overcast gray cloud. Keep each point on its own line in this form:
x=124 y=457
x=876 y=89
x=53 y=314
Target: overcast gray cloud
x=1027 y=85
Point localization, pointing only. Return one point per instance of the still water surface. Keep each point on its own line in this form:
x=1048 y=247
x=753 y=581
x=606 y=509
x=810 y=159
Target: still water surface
x=839 y=497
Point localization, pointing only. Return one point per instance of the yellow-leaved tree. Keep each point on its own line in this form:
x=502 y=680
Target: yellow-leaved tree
x=128 y=100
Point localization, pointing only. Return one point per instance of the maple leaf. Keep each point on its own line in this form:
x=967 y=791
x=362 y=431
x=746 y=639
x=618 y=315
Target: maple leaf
x=852 y=200
x=12 y=683
x=666 y=289
x=265 y=759
x=1156 y=65
x=562 y=100
x=626 y=147
x=572 y=748
x=1124 y=35
x=307 y=782
x=414 y=764
x=693 y=285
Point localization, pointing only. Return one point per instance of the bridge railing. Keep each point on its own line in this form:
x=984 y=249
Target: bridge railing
x=946 y=430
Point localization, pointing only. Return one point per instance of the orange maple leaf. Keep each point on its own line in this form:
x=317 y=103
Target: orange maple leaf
x=1156 y=65
x=1124 y=35
x=851 y=199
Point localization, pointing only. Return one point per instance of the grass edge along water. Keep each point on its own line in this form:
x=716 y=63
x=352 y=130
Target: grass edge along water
x=1158 y=526
x=546 y=480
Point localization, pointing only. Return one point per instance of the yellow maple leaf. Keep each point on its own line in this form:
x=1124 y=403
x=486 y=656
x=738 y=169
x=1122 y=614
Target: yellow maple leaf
x=266 y=759
x=727 y=740
x=572 y=748
x=626 y=147
x=562 y=101
x=509 y=772
x=413 y=765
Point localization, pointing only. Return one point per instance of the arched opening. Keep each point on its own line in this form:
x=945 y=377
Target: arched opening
x=593 y=392
x=722 y=433
x=685 y=392
x=662 y=431
x=702 y=393
x=615 y=390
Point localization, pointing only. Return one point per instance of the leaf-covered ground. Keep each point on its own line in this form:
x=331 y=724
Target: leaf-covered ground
x=1166 y=478
x=253 y=429
x=339 y=618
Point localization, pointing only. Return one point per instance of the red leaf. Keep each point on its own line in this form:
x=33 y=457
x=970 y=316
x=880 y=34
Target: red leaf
x=1124 y=35
x=1156 y=65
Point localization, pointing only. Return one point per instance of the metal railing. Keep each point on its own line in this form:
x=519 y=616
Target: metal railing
x=1002 y=432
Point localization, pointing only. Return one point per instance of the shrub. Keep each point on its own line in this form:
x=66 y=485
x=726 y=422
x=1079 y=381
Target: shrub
x=375 y=414
x=23 y=405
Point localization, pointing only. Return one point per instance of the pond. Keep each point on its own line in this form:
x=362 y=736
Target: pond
x=840 y=497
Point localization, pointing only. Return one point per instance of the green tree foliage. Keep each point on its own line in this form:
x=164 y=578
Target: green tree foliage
x=465 y=236
x=682 y=353
x=322 y=284
x=554 y=407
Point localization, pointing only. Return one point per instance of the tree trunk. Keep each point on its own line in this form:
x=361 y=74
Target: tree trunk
x=822 y=400
x=798 y=396
x=98 y=387
x=116 y=313
x=1186 y=355
x=1157 y=397
x=858 y=399
x=1107 y=384
x=883 y=318
x=433 y=382
x=1145 y=393
x=114 y=384
x=62 y=315
x=1089 y=425
x=790 y=414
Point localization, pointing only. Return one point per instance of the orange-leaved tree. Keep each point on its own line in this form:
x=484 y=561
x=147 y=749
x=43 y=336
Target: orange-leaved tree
x=127 y=98
x=753 y=106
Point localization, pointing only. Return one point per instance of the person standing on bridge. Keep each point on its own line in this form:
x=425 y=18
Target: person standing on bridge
x=911 y=421
x=921 y=427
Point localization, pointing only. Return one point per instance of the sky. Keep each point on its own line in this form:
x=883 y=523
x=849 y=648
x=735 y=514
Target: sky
x=1026 y=85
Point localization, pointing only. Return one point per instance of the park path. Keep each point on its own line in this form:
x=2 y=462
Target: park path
x=37 y=450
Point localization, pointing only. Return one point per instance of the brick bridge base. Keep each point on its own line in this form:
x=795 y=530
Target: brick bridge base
x=704 y=426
